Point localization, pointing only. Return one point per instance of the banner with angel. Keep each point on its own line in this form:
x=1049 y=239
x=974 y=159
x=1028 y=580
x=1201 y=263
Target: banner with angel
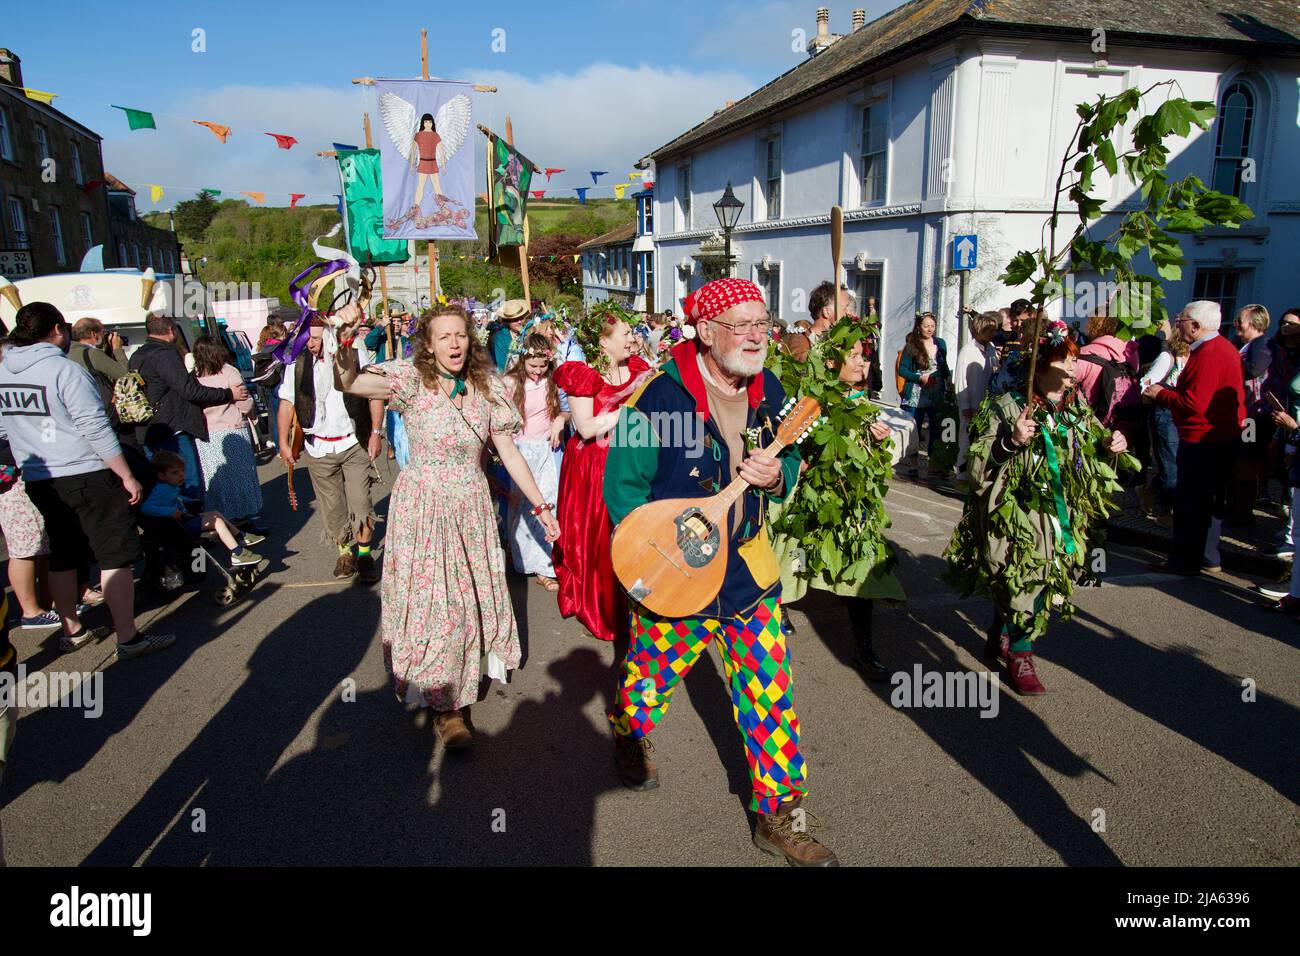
x=427 y=161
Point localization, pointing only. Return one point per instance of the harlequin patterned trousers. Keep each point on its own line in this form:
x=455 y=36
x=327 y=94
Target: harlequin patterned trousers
x=757 y=668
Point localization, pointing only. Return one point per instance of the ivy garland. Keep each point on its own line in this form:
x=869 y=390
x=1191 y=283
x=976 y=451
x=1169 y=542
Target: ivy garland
x=1088 y=482
x=592 y=326
x=836 y=512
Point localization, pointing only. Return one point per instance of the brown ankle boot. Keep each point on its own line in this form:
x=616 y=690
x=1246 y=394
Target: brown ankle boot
x=785 y=833
x=451 y=730
x=635 y=768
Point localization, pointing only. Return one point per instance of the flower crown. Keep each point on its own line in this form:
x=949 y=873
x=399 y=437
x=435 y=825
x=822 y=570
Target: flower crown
x=593 y=325
x=1053 y=334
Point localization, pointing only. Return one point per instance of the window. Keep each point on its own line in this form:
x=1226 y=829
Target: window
x=649 y=215
x=1221 y=286
x=56 y=229
x=684 y=194
x=148 y=253
x=875 y=152
x=648 y=278
x=170 y=265
x=87 y=233
x=135 y=255
x=6 y=136
x=77 y=173
x=866 y=285
x=17 y=222
x=772 y=176
x=769 y=280
x=42 y=143
x=122 y=262
x=1232 y=138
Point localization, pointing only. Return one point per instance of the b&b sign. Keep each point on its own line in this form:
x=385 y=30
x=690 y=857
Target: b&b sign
x=15 y=264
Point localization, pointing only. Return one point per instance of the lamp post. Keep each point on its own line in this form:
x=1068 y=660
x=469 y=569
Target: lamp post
x=728 y=211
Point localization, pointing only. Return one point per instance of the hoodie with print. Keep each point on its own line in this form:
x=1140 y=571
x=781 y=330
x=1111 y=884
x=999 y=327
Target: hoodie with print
x=52 y=414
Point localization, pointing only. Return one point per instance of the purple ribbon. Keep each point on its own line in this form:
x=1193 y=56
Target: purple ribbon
x=288 y=351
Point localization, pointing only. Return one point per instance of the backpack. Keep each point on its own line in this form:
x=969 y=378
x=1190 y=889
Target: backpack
x=105 y=386
x=130 y=401
x=1118 y=396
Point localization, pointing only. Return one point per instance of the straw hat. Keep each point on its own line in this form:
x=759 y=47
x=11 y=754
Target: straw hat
x=514 y=310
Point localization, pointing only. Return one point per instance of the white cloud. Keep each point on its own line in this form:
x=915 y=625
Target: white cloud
x=603 y=116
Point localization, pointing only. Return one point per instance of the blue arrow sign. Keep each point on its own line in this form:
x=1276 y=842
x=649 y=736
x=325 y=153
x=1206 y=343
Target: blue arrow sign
x=965 y=253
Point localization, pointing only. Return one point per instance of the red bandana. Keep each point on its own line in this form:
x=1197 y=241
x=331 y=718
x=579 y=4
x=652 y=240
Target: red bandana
x=710 y=301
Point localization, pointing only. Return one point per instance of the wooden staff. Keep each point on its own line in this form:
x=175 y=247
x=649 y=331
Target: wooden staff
x=837 y=246
x=433 y=247
x=523 y=249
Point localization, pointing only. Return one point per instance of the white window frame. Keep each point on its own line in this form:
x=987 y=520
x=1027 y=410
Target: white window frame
x=87 y=230
x=78 y=174
x=649 y=215
x=684 y=202
x=43 y=142
x=17 y=217
x=1253 y=124
x=763 y=278
x=6 y=136
x=878 y=96
x=764 y=179
x=56 y=230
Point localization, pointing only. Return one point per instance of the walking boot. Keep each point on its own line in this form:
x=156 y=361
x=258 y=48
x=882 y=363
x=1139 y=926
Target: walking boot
x=997 y=648
x=866 y=661
x=451 y=730
x=1022 y=676
x=785 y=833
x=345 y=566
x=367 y=572
x=635 y=768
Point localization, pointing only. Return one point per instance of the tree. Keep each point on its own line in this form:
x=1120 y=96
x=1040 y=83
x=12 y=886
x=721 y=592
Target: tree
x=551 y=260
x=193 y=216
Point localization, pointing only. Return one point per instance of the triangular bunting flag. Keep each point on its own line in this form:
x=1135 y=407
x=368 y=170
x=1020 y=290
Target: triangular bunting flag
x=340 y=199
x=283 y=141
x=256 y=197
x=211 y=192
x=137 y=119
x=219 y=131
x=582 y=193
x=155 y=192
x=294 y=197
x=620 y=189
x=39 y=97
x=576 y=258
x=597 y=173
x=650 y=185
x=550 y=171
x=537 y=193
x=342 y=146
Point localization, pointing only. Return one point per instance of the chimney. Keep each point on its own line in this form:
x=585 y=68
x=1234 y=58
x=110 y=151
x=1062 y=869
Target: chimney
x=859 y=19
x=823 y=21
x=11 y=68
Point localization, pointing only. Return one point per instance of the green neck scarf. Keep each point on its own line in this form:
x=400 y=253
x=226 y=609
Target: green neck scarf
x=1061 y=434
x=458 y=388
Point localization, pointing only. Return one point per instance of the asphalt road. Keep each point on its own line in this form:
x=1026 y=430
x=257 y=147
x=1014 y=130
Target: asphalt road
x=269 y=735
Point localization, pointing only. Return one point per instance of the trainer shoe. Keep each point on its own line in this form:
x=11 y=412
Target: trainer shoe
x=244 y=559
x=1022 y=676
x=635 y=768
x=38 y=622
x=1274 y=592
x=143 y=644
x=71 y=642
x=252 y=539
x=1284 y=554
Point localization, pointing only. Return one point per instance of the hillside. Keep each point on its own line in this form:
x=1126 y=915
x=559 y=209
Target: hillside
x=270 y=246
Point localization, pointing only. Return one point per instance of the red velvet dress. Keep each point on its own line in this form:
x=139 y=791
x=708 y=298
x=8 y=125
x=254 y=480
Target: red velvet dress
x=583 y=567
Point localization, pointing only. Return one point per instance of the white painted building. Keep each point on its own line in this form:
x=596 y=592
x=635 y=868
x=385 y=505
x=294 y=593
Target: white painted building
x=947 y=117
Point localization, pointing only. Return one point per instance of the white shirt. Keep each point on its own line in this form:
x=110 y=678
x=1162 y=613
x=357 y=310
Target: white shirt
x=976 y=364
x=1199 y=342
x=332 y=419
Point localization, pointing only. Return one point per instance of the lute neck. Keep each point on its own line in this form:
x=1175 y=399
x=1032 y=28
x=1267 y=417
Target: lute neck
x=720 y=503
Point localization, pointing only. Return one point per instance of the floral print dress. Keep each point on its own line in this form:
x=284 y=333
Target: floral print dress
x=446 y=606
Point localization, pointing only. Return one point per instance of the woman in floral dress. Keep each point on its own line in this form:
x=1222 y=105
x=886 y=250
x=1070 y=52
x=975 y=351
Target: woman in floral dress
x=446 y=607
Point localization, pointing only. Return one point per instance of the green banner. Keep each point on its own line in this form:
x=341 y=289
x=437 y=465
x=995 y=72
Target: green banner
x=363 y=210
x=510 y=174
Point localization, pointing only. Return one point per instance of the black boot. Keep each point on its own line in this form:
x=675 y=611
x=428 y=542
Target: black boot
x=864 y=654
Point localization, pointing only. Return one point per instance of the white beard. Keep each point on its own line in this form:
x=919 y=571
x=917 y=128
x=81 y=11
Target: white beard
x=739 y=362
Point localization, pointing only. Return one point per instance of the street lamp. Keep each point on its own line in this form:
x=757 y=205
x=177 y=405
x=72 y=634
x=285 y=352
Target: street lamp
x=728 y=211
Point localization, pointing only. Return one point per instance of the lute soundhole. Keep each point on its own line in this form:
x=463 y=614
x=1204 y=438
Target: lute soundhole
x=697 y=537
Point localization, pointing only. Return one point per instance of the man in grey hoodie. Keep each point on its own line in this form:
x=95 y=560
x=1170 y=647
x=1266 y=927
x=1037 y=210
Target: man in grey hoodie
x=52 y=414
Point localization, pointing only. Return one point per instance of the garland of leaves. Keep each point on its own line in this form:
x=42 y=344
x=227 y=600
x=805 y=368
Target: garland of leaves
x=836 y=512
x=1088 y=481
x=592 y=326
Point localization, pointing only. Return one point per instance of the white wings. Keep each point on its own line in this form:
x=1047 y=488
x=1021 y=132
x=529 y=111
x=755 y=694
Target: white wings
x=399 y=122
x=453 y=122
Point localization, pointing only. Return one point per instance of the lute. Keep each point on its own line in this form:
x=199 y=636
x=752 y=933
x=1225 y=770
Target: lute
x=671 y=555
x=296 y=442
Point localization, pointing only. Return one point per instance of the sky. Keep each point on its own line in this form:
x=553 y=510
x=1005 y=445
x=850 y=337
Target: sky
x=587 y=85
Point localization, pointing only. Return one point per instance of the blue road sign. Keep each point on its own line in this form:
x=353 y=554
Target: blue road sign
x=965 y=253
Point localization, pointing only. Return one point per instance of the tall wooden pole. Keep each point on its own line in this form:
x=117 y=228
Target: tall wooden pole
x=523 y=249
x=383 y=274
x=433 y=247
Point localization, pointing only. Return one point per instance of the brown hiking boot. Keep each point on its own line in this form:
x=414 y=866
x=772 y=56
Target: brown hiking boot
x=367 y=572
x=451 y=730
x=346 y=566
x=635 y=768
x=785 y=833
x=1022 y=676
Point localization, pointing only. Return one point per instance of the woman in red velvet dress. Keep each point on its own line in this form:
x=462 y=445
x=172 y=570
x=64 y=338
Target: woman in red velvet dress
x=596 y=392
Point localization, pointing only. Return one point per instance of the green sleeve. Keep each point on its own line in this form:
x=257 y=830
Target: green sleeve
x=790 y=461
x=631 y=464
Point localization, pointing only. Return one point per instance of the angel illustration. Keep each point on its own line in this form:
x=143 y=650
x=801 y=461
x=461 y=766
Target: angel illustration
x=429 y=144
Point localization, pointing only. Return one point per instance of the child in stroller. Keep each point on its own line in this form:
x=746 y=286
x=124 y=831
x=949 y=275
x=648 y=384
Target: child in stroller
x=165 y=501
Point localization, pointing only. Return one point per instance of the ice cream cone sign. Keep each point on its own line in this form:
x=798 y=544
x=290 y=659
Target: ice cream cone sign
x=10 y=292
x=147 y=283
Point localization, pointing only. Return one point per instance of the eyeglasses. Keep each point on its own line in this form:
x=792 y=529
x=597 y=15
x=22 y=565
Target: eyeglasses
x=744 y=328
